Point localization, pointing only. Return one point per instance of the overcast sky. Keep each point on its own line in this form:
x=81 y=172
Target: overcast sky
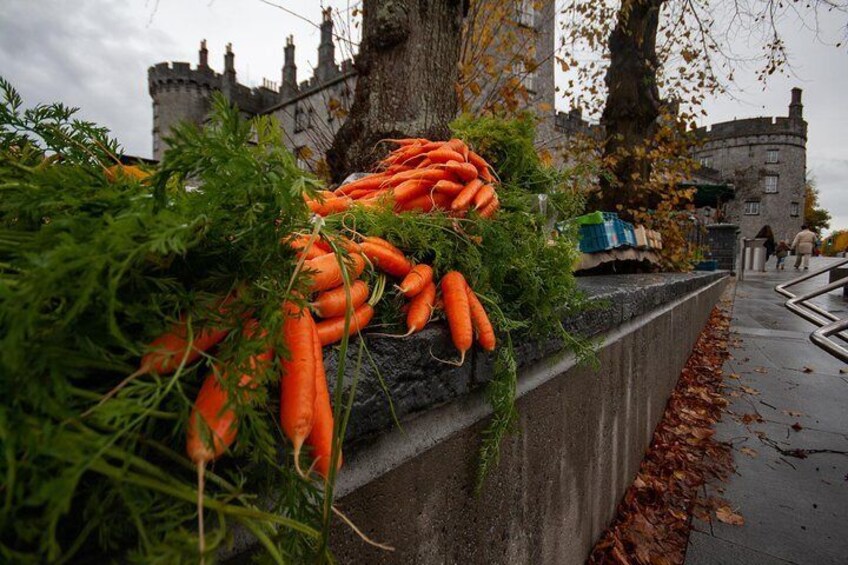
x=94 y=54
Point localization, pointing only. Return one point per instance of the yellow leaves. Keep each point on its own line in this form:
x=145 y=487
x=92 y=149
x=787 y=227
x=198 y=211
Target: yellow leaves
x=728 y=516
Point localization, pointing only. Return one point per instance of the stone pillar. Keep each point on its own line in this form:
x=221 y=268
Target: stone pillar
x=796 y=109
x=289 y=84
x=229 y=65
x=326 y=49
x=203 y=56
x=722 y=241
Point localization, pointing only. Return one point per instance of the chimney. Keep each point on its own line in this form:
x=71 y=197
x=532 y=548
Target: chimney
x=326 y=49
x=796 y=109
x=289 y=84
x=203 y=59
x=229 y=64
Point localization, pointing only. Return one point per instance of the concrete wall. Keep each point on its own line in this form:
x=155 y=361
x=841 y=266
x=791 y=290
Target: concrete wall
x=583 y=435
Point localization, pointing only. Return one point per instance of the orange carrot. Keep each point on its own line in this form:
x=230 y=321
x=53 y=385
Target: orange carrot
x=481 y=323
x=300 y=245
x=320 y=438
x=382 y=242
x=459 y=146
x=411 y=189
x=332 y=303
x=331 y=330
x=458 y=311
x=426 y=203
x=418 y=174
x=448 y=187
x=444 y=154
x=370 y=182
x=484 y=196
x=327 y=273
x=490 y=210
x=463 y=200
x=330 y=205
x=416 y=280
x=465 y=171
x=297 y=383
x=421 y=308
x=387 y=260
x=168 y=350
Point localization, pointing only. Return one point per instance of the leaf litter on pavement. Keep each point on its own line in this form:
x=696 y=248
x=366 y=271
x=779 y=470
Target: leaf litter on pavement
x=653 y=518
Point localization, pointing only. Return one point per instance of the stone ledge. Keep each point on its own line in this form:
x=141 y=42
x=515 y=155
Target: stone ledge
x=417 y=382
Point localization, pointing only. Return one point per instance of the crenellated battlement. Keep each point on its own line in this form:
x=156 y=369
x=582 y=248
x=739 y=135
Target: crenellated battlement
x=755 y=126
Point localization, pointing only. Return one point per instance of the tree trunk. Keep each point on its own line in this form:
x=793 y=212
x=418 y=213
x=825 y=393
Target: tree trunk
x=633 y=103
x=408 y=66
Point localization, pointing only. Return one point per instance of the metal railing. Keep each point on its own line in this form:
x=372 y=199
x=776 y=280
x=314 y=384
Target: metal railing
x=829 y=324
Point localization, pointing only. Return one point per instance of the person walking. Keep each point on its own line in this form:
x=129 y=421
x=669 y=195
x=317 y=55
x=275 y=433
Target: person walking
x=781 y=251
x=803 y=247
x=768 y=235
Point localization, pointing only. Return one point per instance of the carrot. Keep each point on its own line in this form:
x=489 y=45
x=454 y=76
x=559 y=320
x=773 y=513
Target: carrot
x=300 y=245
x=480 y=321
x=465 y=171
x=484 y=196
x=325 y=271
x=481 y=165
x=426 y=202
x=212 y=406
x=404 y=141
x=448 y=187
x=490 y=210
x=419 y=174
x=387 y=260
x=330 y=205
x=421 y=308
x=411 y=189
x=370 y=182
x=459 y=146
x=416 y=280
x=168 y=350
x=331 y=330
x=333 y=302
x=463 y=200
x=458 y=311
x=297 y=383
x=382 y=242
x=320 y=439
x=444 y=154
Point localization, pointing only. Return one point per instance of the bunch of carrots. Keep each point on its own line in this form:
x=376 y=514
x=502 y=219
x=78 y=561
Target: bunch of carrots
x=420 y=175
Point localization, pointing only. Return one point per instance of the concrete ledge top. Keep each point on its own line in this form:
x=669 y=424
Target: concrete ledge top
x=407 y=371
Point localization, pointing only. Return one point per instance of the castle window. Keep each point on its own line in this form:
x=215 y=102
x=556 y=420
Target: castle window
x=525 y=76
x=309 y=115
x=300 y=119
x=527 y=13
x=706 y=161
x=771 y=184
x=772 y=155
x=752 y=208
x=794 y=209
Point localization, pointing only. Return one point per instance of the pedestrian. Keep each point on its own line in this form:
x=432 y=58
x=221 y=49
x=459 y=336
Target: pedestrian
x=781 y=251
x=802 y=245
x=768 y=235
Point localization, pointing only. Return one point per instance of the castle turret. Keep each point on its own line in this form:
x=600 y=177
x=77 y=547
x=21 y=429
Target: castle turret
x=289 y=84
x=326 y=49
x=796 y=109
x=230 y=65
x=203 y=56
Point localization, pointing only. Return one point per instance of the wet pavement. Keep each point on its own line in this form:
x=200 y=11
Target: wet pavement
x=788 y=423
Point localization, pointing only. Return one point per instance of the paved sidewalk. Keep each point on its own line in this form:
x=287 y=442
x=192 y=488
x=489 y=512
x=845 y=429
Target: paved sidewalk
x=791 y=483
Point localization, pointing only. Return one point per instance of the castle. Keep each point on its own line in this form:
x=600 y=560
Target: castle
x=763 y=161
x=311 y=111
x=760 y=161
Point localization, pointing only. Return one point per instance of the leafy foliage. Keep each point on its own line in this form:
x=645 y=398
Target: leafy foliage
x=91 y=270
x=816 y=218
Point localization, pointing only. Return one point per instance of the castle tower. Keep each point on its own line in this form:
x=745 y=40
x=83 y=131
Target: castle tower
x=796 y=109
x=203 y=56
x=326 y=49
x=289 y=84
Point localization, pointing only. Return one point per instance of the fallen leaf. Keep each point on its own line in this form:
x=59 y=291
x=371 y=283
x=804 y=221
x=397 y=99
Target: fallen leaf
x=750 y=418
x=728 y=516
x=797 y=427
x=760 y=370
x=749 y=390
x=806 y=369
x=793 y=413
x=749 y=452
x=702 y=433
x=733 y=376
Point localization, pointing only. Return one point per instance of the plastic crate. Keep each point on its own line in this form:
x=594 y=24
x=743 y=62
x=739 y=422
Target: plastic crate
x=626 y=233
x=598 y=237
x=708 y=265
